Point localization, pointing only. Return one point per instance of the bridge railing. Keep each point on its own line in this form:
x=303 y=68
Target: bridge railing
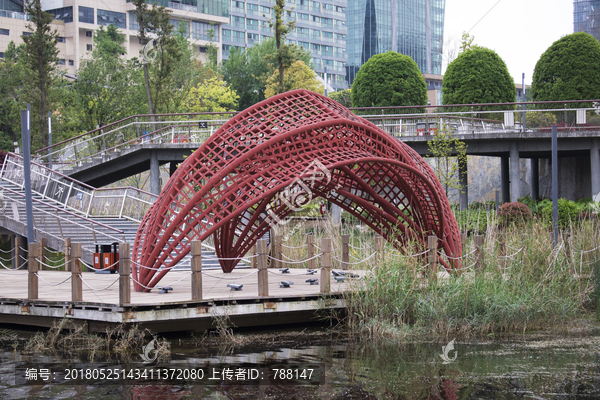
x=121 y=202
x=137 y=129
x=398 y=121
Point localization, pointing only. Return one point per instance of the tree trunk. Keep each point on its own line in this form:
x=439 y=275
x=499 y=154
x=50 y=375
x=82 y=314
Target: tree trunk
x=147 y=81
x=42 y=82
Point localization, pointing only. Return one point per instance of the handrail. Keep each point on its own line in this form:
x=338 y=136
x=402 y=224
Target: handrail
x=62 y=210
x=75 y=180
x=475 y=105
x=131 y=117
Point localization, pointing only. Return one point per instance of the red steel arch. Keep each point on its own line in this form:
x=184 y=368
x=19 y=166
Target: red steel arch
x=299 y=144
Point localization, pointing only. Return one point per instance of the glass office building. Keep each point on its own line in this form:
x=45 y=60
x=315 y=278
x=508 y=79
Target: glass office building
x=586 y=17
x=411 y=27
x=320 y=28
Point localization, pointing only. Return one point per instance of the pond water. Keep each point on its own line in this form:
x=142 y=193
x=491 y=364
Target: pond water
x=315 y=365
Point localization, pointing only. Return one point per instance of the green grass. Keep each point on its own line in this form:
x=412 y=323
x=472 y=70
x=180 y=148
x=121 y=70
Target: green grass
x=537 y=287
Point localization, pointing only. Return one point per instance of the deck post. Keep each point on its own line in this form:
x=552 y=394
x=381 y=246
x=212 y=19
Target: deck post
x=196 y=250
x=17 y=252
x=432 y=244
x=345 y=252
x=380 y=249
x=278 y=251
x=325 y=265
x=76 y=289
x=478 y=253
x=253 y=263
x=310 y=252
x=263 y=278
x=124 y=274
x=67 y=254
x=32 y=267
x=42 y=252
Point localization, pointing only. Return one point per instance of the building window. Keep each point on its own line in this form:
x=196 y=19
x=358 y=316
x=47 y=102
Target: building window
x=64 y=14
x=202 y=49
x=4 y=32
x=88 y=33
x=1 y=54
x=252 y=9
x=204 y=31
x=133 y=24
x=27 y=33
x=252 y=24
x=177 y=24
x=71 y=63
x=86 y=14
x=253 y=38
x=238 y=37
x=61 y=61
x=110 y=17
x=88 y=47
x=61 y=39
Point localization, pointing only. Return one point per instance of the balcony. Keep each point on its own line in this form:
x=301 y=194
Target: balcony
x=14 y=15
x=238 y=24
x=237 y=10
x=183 y=7
x=238 y=39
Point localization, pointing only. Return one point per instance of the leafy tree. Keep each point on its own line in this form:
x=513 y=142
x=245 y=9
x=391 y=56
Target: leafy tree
x=568 y=70
x=297 y=76
x=11 y=78
x=389 y=79
x=247 y=70
x=39 y=58
x=211 y=95
x=478 y=75
x=106 y=89
x=466 y=42
x=344 y=97
x=281 y=30
x=155 y=25
x=449 y=154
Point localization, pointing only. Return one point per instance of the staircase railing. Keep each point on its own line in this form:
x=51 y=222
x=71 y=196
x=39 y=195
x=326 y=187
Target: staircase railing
x=120 y=202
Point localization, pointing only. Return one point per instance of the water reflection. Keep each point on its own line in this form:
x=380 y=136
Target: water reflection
x=544 y=368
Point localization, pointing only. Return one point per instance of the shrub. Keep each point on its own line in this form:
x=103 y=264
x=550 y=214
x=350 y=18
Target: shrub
x=568 y=211
x=513 y=213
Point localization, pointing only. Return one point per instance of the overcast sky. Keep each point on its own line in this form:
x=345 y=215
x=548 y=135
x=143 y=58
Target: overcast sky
x=518 y=30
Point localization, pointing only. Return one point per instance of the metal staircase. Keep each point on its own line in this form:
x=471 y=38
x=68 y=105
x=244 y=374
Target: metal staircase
x=64 y=208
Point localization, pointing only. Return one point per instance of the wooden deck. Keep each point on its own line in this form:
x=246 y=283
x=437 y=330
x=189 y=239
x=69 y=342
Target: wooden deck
x=174 y=311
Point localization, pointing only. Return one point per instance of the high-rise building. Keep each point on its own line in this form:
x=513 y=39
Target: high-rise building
x=76 y=20
x=320 y=28
x=586 y=17
x=411 y=27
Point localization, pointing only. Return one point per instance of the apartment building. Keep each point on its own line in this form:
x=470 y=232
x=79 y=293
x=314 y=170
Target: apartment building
x=320 y=27
x=76 y=20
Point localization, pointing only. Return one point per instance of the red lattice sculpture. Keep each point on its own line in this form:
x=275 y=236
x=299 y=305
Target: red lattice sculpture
x=273 y=157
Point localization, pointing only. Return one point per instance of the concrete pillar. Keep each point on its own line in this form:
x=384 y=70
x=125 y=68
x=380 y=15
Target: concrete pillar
x=514 y=172
x=504 y=179
x=595 y=167
x=154 y=174
x=336 y=214
x=463 y=196
x=535 y=178
x=172 y=167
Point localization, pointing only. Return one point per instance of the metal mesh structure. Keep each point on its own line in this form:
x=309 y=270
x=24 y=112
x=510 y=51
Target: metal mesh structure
x=276 y=156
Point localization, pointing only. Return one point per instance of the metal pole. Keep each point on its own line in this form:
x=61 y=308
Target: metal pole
x=555 y=183
x=26 y=139
x=49 y=141
x=523 y=101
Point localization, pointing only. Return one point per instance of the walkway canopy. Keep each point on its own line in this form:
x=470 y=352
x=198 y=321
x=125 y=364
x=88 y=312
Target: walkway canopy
x=276 y=156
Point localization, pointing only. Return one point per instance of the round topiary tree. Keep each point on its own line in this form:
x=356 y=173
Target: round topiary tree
x=478 y=75
x=513 y=213
x=389 y=79
x=568 y=70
